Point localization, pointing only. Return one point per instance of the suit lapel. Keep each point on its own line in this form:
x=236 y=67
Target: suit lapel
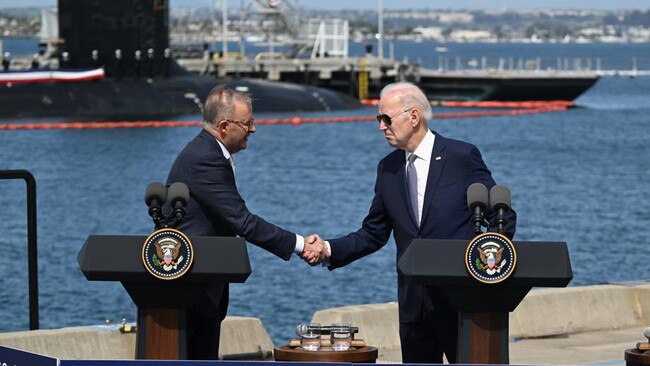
x=437 y=163
x=401 y=178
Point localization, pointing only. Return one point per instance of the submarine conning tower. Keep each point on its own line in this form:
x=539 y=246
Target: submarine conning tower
x=109 y=25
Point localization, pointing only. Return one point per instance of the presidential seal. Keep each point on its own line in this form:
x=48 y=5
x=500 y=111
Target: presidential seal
x=167 y=254
x=490 y=257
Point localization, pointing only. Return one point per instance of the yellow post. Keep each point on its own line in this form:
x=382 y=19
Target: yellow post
x=363 y=78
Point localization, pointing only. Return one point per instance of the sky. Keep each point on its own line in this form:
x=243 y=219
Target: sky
x=404 y=4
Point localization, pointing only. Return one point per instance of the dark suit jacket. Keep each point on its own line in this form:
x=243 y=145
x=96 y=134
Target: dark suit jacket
x=454 y=166
x=215 y=207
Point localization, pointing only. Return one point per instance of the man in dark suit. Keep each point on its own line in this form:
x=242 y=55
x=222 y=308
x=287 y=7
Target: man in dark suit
x=420 y=192
x=207 y=167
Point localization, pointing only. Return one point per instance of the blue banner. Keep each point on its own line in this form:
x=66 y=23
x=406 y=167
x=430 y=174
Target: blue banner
x=16 y=357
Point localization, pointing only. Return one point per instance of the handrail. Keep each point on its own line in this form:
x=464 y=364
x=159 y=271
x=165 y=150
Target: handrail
x=32 y=265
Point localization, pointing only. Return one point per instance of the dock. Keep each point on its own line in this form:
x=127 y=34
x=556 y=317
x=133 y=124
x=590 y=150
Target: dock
x=364 y=77
x=589 y=325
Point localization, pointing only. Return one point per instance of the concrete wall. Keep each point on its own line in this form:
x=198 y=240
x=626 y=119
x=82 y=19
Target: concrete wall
x=241 y=338
x=244 y=338
x=547 y=312
x=642 y=300
x=543 y=313
x=74 y=343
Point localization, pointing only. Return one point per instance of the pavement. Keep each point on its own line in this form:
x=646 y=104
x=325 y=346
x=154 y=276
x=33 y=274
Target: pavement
x=606 y=347
x=600 y=348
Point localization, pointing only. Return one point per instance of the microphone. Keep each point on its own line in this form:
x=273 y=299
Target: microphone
x=178 y=197
x=155 y=196
x=325 y=329
x=477 y=201
x=500 y=200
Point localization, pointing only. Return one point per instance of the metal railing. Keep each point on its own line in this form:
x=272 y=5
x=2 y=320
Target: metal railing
x=32 y=264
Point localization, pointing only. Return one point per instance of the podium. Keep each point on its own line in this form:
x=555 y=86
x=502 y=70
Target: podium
x=162 y=304
x=483 y=308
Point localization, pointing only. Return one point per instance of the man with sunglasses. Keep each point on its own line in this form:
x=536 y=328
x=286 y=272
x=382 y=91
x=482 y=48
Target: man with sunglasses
x=420 y=192
x=207 y=167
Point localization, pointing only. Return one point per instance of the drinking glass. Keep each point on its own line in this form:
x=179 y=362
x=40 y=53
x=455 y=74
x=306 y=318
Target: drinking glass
x=341 y=336
x=310 y=337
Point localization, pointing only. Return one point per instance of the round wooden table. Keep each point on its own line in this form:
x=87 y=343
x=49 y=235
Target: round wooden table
x=326 y=354
x=634 y=357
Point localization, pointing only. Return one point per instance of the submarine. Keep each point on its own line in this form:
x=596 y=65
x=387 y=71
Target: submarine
x=127 y=42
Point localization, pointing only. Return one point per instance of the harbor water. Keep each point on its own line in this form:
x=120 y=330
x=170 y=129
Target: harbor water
x=580 y=176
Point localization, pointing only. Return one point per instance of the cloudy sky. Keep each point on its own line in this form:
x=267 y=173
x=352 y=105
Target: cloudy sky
x=403 y=4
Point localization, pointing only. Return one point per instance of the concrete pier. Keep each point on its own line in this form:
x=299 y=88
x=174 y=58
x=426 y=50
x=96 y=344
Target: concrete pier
x=243 y=338
x=576 y=325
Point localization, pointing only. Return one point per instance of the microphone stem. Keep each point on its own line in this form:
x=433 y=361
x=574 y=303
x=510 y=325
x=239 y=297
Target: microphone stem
x=156 y=215
x=177 y=217
x=477 y=218
x=501 y=220
x=159 y=221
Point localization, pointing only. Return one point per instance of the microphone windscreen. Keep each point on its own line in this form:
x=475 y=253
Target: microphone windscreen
x=155 y=191
x=178 y=192
x=301 y=329
x=477 y=195
x=500 y=197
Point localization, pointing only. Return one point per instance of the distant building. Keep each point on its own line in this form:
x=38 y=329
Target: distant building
x=461 y=35
x=429 y=32
x=449 y=18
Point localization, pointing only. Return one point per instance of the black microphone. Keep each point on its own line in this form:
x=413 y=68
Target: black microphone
x=500 y=200
x=155 y=196
x=179 y=196
x=477 y=201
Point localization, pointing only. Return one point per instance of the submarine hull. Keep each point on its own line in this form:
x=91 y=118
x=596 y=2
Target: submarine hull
x=152 y=99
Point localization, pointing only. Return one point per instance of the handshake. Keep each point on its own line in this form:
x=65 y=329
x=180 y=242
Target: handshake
x=315 y=250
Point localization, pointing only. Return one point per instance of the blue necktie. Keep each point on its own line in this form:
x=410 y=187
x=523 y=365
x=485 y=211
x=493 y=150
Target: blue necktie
x=412 y=181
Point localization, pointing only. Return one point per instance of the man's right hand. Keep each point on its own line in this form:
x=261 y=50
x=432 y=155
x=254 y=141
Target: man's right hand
x=314 y=251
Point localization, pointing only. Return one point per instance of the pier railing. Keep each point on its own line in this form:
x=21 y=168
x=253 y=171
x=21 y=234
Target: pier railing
x=442 y=65
x=32 y=264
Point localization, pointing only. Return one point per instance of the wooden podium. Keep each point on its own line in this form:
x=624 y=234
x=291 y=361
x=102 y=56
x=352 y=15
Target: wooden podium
x=483 y=309
x=162 y=304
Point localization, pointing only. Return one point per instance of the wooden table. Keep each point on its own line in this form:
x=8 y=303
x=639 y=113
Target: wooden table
x=634 y=357
x=326 y=354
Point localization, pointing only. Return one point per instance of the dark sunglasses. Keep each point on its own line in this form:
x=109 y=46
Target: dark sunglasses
x=388 y=120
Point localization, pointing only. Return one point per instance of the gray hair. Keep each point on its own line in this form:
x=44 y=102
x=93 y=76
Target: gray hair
x=220 y=104
x=411 y=96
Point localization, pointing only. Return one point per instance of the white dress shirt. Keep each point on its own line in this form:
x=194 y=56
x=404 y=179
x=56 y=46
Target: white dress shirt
x=300 y=240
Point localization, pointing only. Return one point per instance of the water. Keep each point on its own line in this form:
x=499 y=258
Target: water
x=580 y=176
x=20 y=47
